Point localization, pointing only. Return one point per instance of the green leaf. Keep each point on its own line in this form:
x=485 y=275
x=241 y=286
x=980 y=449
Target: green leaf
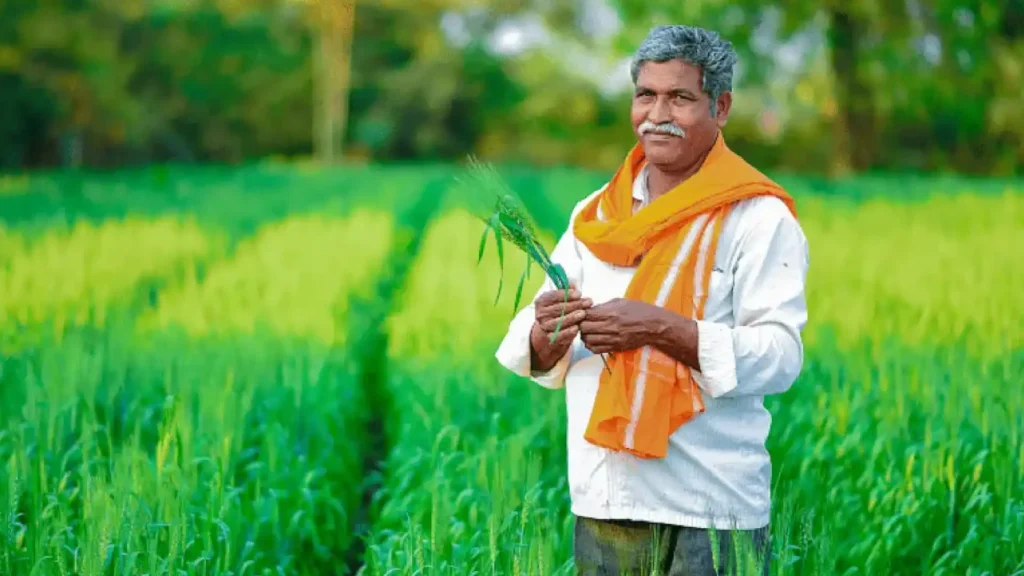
x=519 y=289
x=560 y=278
x=501 y=260
x=522 y=279
x=501 y=254
x=532 y=253
x=540 y=253
x=535 y=251
x=483 y=243
x=558 y=327
x=565 y=301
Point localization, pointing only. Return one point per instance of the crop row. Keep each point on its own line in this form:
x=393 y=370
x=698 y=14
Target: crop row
x=83 y=273
x=217 y=424
x=475 y=477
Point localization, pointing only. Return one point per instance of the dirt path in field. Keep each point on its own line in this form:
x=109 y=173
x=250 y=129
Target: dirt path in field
x=369 y=321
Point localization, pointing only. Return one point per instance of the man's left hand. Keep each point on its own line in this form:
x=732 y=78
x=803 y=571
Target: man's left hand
x=619 y=325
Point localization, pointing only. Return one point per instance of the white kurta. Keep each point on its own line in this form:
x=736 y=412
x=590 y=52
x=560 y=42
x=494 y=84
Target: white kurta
x=717 y=471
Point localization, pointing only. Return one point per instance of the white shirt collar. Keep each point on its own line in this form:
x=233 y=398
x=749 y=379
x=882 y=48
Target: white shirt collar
x=640 y=191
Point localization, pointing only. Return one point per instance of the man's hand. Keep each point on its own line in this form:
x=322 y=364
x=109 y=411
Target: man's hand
x=622 y=324
x=550 y=307
x=619 y=325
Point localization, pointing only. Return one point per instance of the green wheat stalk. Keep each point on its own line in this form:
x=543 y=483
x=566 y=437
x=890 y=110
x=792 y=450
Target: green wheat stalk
x=508 y=220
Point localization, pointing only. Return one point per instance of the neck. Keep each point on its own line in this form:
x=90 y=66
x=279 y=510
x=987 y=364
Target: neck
x=662 y=179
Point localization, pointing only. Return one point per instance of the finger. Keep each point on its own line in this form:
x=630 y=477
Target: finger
x=601 y=339
x=557 y=296
x=553 y=296
x=575 y=304
x=566 y=336
x=557 y=311
x=595 y=327
x=572 y=319
x=589 y=344
x=600 y=344
x=549 y=326
x=562 y=340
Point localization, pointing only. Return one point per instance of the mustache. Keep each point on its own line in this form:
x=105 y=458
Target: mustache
x=663 y=128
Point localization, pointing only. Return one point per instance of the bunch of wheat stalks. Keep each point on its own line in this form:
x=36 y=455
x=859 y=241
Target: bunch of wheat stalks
x=507 y=219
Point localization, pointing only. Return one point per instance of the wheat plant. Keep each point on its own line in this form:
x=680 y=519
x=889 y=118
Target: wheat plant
x=508 y=219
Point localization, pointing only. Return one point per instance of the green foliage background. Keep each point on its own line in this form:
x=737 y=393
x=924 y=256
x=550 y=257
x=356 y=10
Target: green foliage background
x=830 y=87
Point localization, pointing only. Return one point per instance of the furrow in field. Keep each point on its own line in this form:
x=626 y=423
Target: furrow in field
x=367 y=324
x=178 y=455
x=232 y=437
x=475 y=477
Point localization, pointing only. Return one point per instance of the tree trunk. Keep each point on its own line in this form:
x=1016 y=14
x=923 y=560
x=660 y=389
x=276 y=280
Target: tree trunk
x=335 y=21
x=855 y=125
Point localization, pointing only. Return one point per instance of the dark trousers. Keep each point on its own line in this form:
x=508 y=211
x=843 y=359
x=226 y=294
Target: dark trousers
x=620 y=547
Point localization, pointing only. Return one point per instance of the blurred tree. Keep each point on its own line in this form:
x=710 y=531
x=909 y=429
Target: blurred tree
x=133 y=81
x=916 y=84
x=851 y=85
x=974 y=118
x=332 y=24
x=71 y=51
x=427 y=82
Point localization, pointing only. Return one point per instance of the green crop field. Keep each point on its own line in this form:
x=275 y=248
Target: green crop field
x=280 y=370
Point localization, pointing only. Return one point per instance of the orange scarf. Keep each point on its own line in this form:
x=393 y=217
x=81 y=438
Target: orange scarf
x=648 y=394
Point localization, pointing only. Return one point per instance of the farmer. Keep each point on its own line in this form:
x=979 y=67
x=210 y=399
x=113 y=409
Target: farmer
x=686 y=308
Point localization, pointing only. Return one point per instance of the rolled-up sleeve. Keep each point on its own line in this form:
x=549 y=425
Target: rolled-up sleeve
x=763 y=352
x=514 y=351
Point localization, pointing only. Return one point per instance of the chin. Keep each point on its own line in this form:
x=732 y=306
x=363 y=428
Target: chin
x=661 y=156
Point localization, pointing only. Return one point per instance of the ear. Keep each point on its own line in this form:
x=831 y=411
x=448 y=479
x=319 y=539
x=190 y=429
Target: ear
x=722 y=108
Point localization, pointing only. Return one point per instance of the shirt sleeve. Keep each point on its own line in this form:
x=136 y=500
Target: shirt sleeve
x=514 y=351
x=763 y=352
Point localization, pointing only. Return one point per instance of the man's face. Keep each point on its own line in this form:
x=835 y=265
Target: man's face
x=670 y=93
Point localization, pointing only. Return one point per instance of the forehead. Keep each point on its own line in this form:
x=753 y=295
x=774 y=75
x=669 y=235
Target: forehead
x=671 y=75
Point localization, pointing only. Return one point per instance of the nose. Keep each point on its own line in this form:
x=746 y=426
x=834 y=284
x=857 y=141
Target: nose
x=660 y=111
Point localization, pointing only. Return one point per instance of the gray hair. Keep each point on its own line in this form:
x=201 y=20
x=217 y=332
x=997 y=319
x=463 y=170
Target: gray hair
x=703 y=48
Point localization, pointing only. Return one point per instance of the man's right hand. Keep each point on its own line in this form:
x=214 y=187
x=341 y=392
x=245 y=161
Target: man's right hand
x=549 y=308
